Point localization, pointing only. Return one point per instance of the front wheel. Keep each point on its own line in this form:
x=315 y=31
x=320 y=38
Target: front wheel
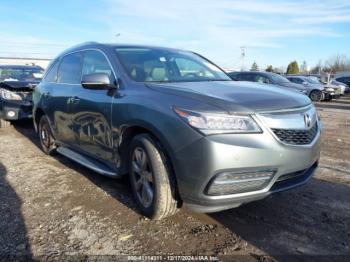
x=316 y=95
x=46 y=137
x=151 y=179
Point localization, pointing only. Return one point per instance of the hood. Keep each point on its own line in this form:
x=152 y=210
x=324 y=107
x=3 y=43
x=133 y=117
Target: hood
x=19 y=85
x=234 y=96
x=291 y=85
x=315 y=86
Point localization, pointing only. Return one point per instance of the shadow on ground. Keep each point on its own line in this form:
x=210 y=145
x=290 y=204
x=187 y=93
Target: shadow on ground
x=311 y=220
x=14 y=244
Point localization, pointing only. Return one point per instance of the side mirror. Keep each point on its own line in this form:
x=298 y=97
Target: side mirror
x=96 y=81
x=305 y=83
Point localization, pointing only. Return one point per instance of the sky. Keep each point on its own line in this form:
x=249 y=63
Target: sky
x=272 y=32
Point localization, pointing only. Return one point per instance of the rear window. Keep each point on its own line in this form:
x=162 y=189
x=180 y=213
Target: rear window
x=21 y=74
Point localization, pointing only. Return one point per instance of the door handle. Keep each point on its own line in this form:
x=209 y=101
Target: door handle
x=75 y=100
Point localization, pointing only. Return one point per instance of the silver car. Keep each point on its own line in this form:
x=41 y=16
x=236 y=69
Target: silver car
x=317 y=90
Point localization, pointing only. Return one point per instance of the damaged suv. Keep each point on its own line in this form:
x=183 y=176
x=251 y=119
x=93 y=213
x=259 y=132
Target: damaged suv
x=177 y=125
x=17 y=83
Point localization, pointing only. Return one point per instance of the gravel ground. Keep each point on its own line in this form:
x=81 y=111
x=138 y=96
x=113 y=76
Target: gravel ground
x=52 y=208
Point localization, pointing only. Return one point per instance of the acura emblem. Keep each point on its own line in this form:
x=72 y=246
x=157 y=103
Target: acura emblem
x=307 y=120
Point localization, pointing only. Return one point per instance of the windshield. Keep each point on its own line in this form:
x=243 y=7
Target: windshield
x=159 y=65
x=312 y=80
x=21 y=74
x=279 y=79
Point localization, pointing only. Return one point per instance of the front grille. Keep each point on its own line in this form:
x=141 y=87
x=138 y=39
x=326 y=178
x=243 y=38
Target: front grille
x=296 y=137
x=291 y=175
x=293 y=179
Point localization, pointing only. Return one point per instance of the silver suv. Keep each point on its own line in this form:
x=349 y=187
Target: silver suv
x=177 y=125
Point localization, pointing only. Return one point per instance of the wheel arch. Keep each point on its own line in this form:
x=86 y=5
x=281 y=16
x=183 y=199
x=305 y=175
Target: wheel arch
x=38 y=113
x=130 y=131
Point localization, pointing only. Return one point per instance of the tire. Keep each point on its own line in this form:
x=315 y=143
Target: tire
x=316 y=95
x=4 y=123
x=328 y=97
x=151 y=179
x=46 y=138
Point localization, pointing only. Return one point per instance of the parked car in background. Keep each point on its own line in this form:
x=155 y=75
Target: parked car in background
x=345 y=80
x=269 y=78
x=318 y=91
x=344 y=88
x=328 y=81
x=16 y=86
x=177 y=125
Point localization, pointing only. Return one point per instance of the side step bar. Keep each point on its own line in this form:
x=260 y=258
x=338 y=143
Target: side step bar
x=87 y=162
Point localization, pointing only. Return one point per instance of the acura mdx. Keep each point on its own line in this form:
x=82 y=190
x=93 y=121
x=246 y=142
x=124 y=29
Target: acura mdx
x=177 y=125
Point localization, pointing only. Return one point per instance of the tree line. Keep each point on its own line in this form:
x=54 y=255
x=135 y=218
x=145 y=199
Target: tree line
x=334 y=64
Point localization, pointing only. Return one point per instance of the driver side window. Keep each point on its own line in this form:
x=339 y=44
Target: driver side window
x=95 y=62
x=189 y=68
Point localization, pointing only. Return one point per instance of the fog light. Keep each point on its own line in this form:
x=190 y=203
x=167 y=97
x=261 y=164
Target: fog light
x=233 y=183
x=11 y=113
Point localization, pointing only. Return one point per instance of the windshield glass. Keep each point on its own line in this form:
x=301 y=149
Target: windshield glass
x=312 y=80
x=21 y=74
x=159 y=65
x=278 y=78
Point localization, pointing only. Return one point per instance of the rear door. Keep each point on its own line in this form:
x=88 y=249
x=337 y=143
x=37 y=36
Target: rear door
x=63 y=95
x=92 y=113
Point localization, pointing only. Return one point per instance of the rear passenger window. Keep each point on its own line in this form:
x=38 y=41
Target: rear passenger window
x=69 y=71
x=261 y=79
x=247 y=77
x=96 y=62
x=51 y=76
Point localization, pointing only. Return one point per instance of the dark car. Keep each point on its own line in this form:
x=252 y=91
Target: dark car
x=268 y=78
x=17 y=83
x=177 y=125
x=344 y=80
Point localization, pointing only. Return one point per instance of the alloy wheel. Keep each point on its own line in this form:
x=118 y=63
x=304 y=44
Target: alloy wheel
x=142 y=177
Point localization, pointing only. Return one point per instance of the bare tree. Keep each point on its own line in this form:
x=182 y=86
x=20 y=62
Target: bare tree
x=317 y=69
x=337 y=63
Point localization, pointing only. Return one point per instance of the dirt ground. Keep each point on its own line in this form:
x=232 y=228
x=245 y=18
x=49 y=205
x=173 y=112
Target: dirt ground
x=52 y=208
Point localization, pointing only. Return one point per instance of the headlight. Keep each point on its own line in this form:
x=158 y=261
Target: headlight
x=209 y=123
x=8 y=95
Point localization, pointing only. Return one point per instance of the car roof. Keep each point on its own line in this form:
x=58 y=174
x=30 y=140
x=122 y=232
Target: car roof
x=115 y=45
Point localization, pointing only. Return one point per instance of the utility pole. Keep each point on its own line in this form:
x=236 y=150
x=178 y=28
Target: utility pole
x=243 y=53
x=116 y=37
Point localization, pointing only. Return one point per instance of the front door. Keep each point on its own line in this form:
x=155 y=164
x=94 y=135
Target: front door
x=92 y=112
x=62 y=96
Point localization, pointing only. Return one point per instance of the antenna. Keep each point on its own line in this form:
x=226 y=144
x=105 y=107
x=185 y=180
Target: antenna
x=116 y=37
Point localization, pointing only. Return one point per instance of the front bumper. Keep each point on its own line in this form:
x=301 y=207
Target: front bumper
x=15 y=110
x=197 y=164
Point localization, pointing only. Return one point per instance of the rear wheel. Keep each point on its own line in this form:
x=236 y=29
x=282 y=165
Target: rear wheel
x=316 y=95
x=4 y=123
x=46 y=137
x=151 y=179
